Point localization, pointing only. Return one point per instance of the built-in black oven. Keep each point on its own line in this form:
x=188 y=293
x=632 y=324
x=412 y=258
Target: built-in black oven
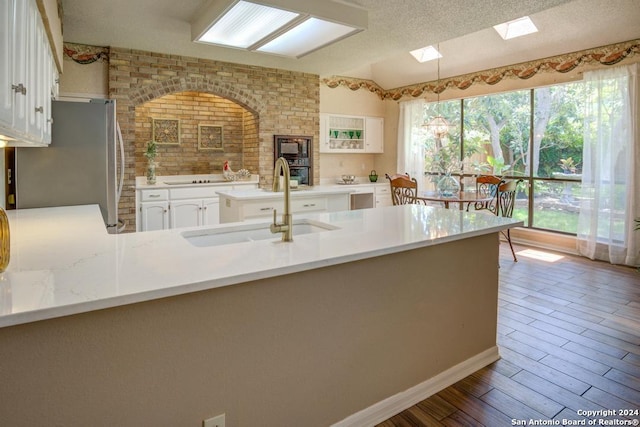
x=297 y=151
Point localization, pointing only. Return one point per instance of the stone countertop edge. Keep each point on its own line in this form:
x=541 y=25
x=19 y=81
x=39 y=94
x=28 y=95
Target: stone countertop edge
x=260 y=194
x=219 y=181
x=63 y=261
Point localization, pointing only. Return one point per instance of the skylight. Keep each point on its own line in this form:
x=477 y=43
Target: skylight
x=516 y=28
x=425 y=54
x=246 y=24
x=288 y=28
x=306 y=37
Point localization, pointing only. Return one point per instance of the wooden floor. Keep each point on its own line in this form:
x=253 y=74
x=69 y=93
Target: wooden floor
x=569 y=337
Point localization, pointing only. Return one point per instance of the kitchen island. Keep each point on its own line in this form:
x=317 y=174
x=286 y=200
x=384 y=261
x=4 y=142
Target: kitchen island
x=243 y=205
x=341 y=326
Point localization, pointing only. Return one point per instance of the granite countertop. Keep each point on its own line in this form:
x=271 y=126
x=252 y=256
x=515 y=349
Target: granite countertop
x=64 y=262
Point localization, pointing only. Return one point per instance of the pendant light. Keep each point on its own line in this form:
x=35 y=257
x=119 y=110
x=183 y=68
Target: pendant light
x=438 y=125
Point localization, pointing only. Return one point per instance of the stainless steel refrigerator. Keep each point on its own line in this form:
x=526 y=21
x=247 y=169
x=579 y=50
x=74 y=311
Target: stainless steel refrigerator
x=79 y=167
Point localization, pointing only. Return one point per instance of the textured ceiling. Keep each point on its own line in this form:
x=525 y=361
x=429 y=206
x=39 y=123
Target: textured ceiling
x=462 y=28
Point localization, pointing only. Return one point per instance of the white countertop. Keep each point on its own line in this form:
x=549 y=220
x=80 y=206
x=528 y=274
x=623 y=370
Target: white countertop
x=64 y=262
x=179 y=181
x=260 y=194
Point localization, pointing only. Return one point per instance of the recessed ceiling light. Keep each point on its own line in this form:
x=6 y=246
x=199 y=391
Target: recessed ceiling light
x=516 y=28
x=425 y=54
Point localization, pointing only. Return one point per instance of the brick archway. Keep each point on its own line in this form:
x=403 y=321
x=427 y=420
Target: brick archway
x=183 y=84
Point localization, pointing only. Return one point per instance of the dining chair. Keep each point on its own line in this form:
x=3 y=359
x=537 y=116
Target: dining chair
x=404 y=190
x=506 y=198
x=487 y=185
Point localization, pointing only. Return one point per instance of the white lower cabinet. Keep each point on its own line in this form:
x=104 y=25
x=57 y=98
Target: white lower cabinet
x=193 y=213
x=211 y=211
x=194 y=206
x=186 y=213
x=383 y=196
x=154 y=216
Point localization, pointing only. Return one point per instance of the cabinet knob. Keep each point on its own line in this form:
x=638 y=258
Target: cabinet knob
x=20 y=88
x=40 y=109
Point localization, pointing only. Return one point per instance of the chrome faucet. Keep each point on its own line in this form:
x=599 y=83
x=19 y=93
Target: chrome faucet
x=286 y=226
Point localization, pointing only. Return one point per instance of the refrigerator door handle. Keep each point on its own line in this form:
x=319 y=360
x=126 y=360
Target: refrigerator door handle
x=121 y=146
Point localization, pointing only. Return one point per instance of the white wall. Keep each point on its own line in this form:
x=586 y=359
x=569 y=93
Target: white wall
x=84 y=80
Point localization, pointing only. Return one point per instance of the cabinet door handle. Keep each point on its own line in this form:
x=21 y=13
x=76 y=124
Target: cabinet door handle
x=40 y=109
x=20 y=88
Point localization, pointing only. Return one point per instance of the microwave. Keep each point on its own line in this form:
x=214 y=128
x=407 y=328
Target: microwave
x=291 y=146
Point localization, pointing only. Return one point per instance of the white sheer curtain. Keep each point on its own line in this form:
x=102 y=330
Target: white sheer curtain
x=611 y=167
x=411 y=140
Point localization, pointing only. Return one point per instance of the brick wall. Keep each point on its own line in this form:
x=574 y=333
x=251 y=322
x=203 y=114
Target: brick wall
x=194 y=109
x=283 y=102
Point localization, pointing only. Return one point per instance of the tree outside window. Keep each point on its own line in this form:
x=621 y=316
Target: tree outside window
x=501 y=135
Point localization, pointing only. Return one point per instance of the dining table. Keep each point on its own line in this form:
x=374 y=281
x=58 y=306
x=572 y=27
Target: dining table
x=462 y=198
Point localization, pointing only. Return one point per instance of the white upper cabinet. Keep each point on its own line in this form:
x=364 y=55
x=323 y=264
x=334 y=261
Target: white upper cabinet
x=6 y=66
x=374 y=142
x=28 y=75
x=351 y=134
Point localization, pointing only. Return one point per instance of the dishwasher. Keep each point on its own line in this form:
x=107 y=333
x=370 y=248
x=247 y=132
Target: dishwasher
x=363 y=198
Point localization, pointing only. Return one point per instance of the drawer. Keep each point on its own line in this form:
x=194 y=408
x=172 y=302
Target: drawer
x=362 y=189
x=252 y=210
x=309 y=204
x=151 y=195
x=197 y=192
x=383 y=189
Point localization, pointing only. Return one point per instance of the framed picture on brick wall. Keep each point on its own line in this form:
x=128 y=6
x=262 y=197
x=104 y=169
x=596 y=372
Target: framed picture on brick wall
x=165 y=131
x=210 y=138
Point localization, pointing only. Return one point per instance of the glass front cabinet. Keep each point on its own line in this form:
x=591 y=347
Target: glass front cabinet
x=351 y=134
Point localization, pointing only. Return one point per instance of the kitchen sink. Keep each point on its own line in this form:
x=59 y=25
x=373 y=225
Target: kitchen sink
x=250 y=232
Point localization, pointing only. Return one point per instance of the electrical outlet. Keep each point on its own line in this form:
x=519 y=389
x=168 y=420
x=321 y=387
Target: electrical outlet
x=214 y=422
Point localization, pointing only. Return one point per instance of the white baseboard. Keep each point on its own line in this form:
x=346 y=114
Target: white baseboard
x=397 y=403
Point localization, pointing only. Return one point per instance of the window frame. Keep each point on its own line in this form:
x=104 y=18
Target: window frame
x=529 y=180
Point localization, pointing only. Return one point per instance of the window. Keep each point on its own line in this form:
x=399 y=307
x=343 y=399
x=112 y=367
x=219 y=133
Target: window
x=536 y=135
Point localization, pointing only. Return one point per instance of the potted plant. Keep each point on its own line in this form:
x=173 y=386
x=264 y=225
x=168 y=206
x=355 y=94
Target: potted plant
x=150 y=153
